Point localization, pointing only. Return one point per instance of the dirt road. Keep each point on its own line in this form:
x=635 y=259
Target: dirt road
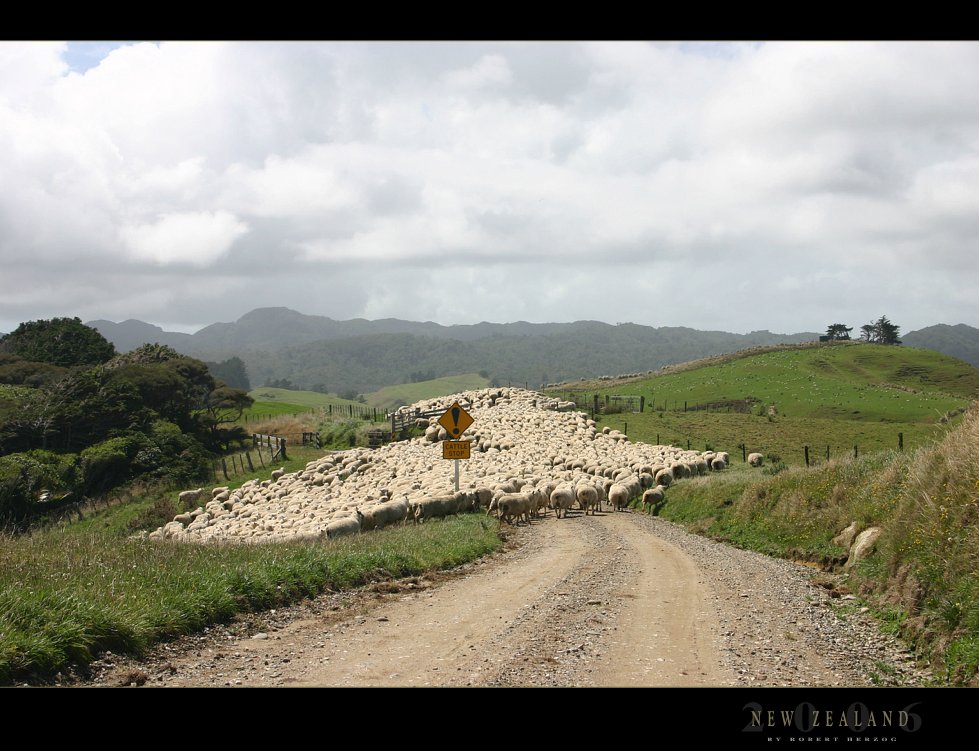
x=618 y=599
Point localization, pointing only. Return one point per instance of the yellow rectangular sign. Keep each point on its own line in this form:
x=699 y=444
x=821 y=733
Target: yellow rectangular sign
x=455 y=449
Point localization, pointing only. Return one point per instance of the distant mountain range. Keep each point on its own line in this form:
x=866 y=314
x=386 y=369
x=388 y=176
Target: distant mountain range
x=318 y=352
x=959 y=341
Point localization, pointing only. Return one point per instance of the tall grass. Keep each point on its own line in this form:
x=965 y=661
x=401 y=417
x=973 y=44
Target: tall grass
x=65 y=598
x=924 y=571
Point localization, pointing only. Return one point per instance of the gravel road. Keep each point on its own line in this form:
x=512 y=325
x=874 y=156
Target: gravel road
x=616 y=599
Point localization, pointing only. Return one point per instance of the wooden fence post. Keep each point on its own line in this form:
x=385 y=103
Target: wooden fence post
x=248 y=456
x=224 y=467
x=807 y=456
x=642 y=403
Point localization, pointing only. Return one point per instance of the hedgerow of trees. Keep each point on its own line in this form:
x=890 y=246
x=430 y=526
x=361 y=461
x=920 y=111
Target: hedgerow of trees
x=78 y=423
x=881 y=331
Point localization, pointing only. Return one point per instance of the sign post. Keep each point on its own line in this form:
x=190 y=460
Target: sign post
x=455 y=420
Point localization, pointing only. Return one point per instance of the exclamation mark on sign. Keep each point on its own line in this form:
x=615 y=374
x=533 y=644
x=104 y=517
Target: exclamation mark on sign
x=455 y=419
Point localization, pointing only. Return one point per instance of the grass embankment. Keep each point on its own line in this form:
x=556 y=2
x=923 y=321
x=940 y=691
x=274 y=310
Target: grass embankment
x=66 y=595
x=836 y=395
x=922 y=577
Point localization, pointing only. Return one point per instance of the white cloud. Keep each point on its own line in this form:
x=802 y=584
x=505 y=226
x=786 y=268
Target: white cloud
x=490 y=71
x=563 y=180
x=197 y=239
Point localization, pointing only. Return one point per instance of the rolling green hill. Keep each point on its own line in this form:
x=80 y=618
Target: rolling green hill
x=833 y=395
x=306 y=399
x=394 y=396
x=276 y=401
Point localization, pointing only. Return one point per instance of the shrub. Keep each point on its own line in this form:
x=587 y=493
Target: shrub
x=110 y=463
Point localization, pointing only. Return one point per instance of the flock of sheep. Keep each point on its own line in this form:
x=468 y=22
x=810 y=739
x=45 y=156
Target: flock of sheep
x=528 y=456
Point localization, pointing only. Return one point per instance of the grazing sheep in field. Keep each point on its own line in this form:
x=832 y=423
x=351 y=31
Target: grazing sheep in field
x=389 y=512
x=349 y=525
x=277 y=473
x=521 y=446
x=717 y=463
x=755 y=459
x=664 y=477
x=434 y=508
x=189 y=496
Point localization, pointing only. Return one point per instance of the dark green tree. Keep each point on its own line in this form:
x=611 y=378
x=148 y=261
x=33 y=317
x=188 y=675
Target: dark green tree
x=881 y=331
x=60 y=341
x=225 y=405
x=146 y=354
x=232 y=371
x=887 y=332
x=838 y=331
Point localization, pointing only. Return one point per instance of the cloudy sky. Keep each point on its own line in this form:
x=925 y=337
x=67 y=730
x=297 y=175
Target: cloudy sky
x=719 y=186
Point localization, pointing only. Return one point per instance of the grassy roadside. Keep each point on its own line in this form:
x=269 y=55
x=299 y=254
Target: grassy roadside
x=922 y=578
x=66 y=597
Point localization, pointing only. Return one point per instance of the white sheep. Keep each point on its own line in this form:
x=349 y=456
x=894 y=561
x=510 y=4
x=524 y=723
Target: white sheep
x=382 y=514
x=587 y=497
x=562 y=499
x=514 y=505
x=755 y=459
x=189 y=496
x=434 y=508
x=653 y=497
x=348 y=525
x=618 y=496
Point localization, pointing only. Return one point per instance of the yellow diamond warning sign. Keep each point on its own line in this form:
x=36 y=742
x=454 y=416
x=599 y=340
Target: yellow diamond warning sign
x=456 y=420
x=455 y=449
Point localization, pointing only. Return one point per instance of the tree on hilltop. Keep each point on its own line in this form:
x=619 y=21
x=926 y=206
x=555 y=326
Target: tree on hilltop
x=837 y=331
x=881 y=331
